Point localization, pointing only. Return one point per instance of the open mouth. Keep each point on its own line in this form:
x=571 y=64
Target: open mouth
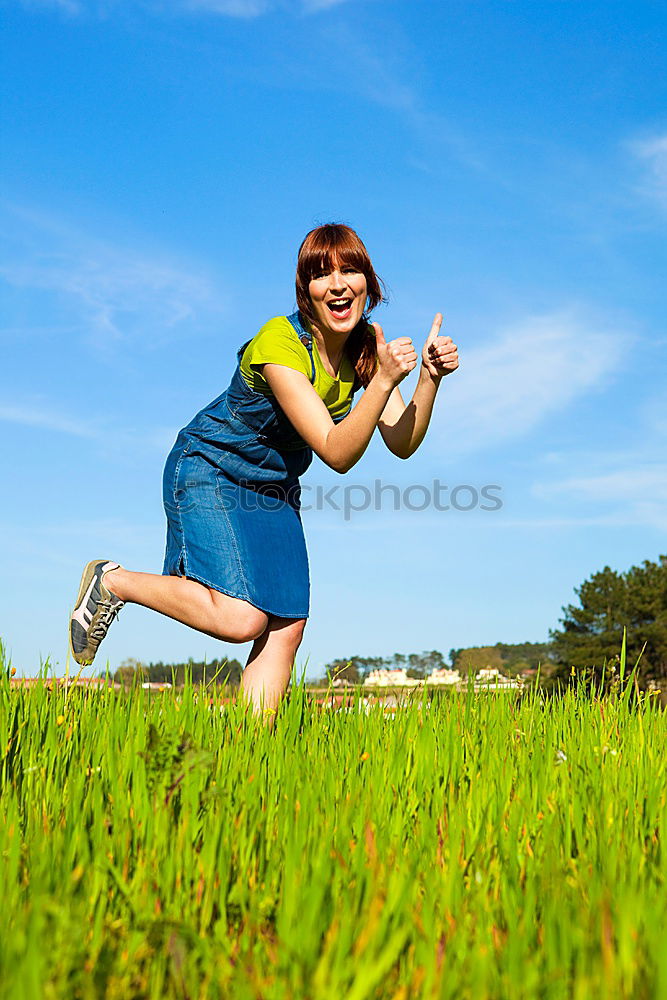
x=341 y=308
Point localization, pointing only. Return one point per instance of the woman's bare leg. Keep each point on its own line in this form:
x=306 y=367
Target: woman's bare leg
x=270 y=663
x=269 y=667
x=190 y=602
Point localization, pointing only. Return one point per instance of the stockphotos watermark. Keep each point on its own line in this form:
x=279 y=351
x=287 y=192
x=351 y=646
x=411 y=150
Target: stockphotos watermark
x=354 y=498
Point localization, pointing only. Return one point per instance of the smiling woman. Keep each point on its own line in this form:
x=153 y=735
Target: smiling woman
x=236 y=564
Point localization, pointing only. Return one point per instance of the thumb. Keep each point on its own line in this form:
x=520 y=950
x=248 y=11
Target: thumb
x=379 y=333
x=435 y=329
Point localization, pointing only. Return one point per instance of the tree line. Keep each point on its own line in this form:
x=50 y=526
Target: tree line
x=219 y=672
x=589 y=640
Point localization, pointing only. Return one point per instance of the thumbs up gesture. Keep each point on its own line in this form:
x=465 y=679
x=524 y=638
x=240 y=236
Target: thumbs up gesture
x=439 y=355
x=396 y=358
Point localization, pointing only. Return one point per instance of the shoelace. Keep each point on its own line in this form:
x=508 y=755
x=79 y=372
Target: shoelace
x=109 y=612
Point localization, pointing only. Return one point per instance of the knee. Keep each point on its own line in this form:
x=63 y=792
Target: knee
x=291 y=633
x=250 y=625
x=245 y=625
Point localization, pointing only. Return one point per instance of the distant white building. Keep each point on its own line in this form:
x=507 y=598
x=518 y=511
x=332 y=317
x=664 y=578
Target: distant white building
x=390 y=678
x=444 y=676
x=492 y=677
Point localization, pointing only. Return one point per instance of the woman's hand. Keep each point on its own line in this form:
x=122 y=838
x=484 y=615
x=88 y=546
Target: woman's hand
x=396 y=359
x=439 y=355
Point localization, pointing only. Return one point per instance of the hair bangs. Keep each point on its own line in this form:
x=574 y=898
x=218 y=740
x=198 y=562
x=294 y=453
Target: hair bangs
x=332 y=253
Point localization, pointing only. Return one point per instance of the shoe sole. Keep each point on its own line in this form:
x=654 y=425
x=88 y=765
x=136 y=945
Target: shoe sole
x=81 y=658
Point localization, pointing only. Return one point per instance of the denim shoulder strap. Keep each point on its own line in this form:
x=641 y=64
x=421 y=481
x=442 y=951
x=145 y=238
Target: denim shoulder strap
x=239 y=353
x=305 y=339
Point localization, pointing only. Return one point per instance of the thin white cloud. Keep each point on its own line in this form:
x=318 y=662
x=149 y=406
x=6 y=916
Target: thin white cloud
x=654 y=415
x=524 y=374
x=111 y=293
x=627 y=483
x=632 y=493
x=652 y=153
x=250 y=8
x=253 y=8
x=228 y=8
x=382 y=70
x=44 y=418
x=313 y=6
x=45 y=415
x=65 y=6
x=387 y=72
x=243 y=9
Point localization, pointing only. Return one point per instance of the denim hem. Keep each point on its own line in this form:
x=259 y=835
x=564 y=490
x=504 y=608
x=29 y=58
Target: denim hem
x=240 y=597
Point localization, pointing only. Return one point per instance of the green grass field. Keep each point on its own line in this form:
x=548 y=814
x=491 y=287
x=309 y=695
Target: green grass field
x=499 y=845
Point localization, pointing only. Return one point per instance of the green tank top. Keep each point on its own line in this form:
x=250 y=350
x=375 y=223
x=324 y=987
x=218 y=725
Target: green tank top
x=277 y=343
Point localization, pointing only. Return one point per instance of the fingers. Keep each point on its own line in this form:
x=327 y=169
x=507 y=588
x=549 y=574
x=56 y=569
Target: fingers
x=398 y=358
x=400 y=346
x=440 y=357
x=442 y=347
x=441 y=342
x=397 y=340
x=446 y=365
x=443 y=356
x=399 y=350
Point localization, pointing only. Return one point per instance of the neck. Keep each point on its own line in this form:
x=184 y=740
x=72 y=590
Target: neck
x=330 y=345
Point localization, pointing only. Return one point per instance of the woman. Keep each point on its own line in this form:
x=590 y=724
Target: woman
x=236 y=566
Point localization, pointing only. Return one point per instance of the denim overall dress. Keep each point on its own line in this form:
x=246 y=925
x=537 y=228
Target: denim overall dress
x=231 y=494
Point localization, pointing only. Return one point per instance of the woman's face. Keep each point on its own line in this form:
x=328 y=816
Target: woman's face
x=339 y=298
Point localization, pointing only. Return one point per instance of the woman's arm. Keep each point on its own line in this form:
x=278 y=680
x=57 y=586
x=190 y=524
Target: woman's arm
x=402 y=426
x=342 y=445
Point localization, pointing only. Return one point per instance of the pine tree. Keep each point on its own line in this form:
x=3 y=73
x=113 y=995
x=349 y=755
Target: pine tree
x=611 y=601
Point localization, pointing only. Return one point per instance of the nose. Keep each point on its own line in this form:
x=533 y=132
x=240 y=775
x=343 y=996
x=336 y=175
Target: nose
x=337 y=281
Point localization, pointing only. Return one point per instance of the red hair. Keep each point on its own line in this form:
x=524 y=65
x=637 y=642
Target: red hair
x=323 y=249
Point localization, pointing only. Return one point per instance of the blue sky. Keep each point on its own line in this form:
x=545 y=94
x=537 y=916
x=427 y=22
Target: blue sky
x=506 y=164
